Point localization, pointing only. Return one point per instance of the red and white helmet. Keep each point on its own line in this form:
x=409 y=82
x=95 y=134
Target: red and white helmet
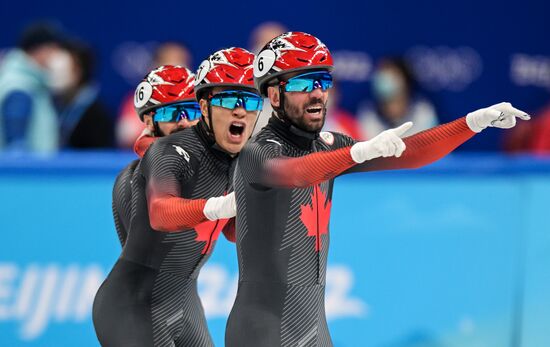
x=163 y=86
x=230 y=67
x=290 y=52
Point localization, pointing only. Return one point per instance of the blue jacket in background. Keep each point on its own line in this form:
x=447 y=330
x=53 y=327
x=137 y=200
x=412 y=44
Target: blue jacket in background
x=22 y=81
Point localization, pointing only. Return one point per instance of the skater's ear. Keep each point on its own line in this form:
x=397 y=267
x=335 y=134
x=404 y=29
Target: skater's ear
x=273 y=95
x=204 y=107
x=148 y=120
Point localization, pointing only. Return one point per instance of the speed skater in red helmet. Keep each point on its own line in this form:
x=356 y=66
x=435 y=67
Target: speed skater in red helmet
x=223 y=81
x=182 y=200
x=165 y=102
x=283 y=185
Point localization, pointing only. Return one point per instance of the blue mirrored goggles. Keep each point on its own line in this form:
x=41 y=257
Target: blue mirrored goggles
x=308 y=82
x=233 y=99
x=189 y=110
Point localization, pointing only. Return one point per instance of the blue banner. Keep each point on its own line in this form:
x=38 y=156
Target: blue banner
x=456 y=254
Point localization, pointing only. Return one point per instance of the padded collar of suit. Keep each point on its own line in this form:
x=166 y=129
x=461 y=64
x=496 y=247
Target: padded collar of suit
x=210 y=143
x=296 y=136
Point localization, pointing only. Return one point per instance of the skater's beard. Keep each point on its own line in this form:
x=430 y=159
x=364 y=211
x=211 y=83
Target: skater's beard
x=297 y=115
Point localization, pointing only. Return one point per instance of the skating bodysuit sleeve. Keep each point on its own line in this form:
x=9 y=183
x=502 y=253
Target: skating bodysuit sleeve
x=423 y=148
x=166 y=167
x=264 y=165
x=142 y=144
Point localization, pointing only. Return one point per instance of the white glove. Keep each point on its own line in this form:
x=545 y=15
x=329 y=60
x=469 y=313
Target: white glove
x=501 y=115
x=386 y=144
x=220 y=207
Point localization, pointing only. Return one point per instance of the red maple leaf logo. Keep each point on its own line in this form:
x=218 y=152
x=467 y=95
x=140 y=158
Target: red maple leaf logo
x=317 y=215
x=208 y=232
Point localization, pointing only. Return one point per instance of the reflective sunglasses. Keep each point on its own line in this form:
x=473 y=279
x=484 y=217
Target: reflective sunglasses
x=233 y=99
x=189 y=110
x=308 y=82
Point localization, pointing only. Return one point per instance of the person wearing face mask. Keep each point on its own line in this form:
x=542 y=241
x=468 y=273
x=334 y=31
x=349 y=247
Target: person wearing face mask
x=181 y=201
x=85 y=123
x=28 y=119
x=283 y=187
x=170 y=108
x=394 y=101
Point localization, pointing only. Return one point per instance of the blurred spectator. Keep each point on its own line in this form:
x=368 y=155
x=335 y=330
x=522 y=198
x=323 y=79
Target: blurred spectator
x=261 y=35
x=172 y=53
x=395 y=101
x=84 y=121
x=338 y=119
x=28 y=120
x=533 y=136
x=129 y=127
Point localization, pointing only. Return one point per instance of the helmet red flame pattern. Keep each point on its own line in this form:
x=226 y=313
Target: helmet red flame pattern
x=226 y=67
x=168 y=84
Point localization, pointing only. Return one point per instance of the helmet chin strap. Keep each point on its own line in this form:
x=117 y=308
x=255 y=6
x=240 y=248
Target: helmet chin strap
x=281 y=109
x=210 y=124
x=157 y=131
x=210 y=121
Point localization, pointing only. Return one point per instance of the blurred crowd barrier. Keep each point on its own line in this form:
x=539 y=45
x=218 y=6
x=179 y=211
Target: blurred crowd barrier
x=455 y=254
x=68 y=84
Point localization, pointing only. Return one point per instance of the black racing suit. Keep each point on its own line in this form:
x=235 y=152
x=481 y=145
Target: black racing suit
x=122 y=199
x=150 y=296
x=283 y=186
